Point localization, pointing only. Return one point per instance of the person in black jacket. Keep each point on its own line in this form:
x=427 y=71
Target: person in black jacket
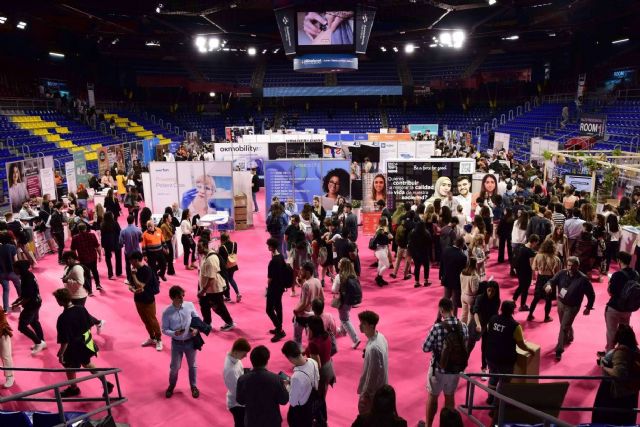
x=30 y=300
x=383 y=411
x=255 y=187
x=111 y=204
x=505 y=226
x=56 y=222
x=453 y=262
x=276 y=276
x=419 y=247
x=261 y=391
x=110 y=241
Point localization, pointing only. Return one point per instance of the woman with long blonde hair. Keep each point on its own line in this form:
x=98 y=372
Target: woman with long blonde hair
x=347 y=272
x=545 y=265
x=476 y=251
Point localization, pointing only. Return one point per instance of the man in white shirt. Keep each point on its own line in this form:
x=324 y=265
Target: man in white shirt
x=208 y=156
x=311 y=289
x=375 y=372
x=211 y=288
x=303 y=382
x=464 y=196
x=26 y=213
x=233 y=370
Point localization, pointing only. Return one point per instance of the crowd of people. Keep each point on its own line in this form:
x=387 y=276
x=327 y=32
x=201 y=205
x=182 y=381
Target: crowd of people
x=556 y=246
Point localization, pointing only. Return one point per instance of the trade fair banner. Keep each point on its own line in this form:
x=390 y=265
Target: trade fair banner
x=501 y=141
x=374 y=188
x=126 y=154
x=81 y=168
x=429 y=180
x=116 y=155
x=221 y=197
x=420 y=132
x=149 y=150
x=302 y=179
x=540 y=145
x=32 y=177
x=23 y=180
x=48 y=182
x=164 y=191
x=593 y=125
x=233 y=133
x=370 y=222
x=103 y=161
x=243 y=155
x=70 y=174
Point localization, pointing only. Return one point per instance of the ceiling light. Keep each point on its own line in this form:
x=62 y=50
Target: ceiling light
x=382 y=48
x=276 y=50
x=153 y=43
x=552 y=34
x=264 y=51
x=213 y=43
x=56 y=54
x=433 y=45
x=458 y=39
x=159 y=8
x=492 y=2
x=409 y=48
x=3 y=19
x=115 y=41
x=21 y=25
x=619 y=41
x=514 y=37
x=395 y=49
x=446 y=39
x=226 y=49
x=212 y=94
x=251 y=51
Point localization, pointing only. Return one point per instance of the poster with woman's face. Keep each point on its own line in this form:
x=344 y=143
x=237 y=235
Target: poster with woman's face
x=17 y=185
x=374 y=188
x=336 y=183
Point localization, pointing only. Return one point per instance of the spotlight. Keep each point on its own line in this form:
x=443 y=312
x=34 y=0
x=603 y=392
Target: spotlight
x=214 y=43
x=446 y=40
x=276 y=50
x=21 y=25
x=514 y=37
x=458 y=39
x=3 y=19
x=492 y=2
x=56 y=54
x=212 y=94
x=619 y=41
x=264 y=51
x=159 y=8
x=251 y=51
x=382 y=48
x=115 y=41
x=395 y=49
x=153 y=43
x=409 y=48
x=433 y=45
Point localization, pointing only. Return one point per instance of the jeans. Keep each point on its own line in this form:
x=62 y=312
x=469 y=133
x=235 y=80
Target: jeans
x=498 y=368
x=215 y=302
x=127 y=267
x=403 y=254
x=612 y=319
x=299 y=325
x=30 y=317
x=5 y=278
x=255 y=202
x=147 y=313
x=454 y=296
x=274 y=308
x=343 y=313
x=416 y=271
x=188 y=246
x=382 y=254
x=232 y=284
x=567 y=315
x=59 y=238
x=118 y=255
x=93 y=267
x=5 y=354
x=179 y=348
x=157 y=262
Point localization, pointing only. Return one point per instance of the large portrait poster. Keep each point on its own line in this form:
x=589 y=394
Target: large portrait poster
x=163 y=185
x=221 y=199
x=116 y=155
x=17 y=184
x=302 y=179
x=103 y=161
x=428 y=180
x=374 y=188
x=190 y=177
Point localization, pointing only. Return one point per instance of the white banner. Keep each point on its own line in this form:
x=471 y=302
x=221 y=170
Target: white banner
x=48 y=183
x=425 y=149
x=540 y=145
x=406 y=149
x=501 y=141
x=164 y=191
x=70 y=173
x=388 y=150
x=243 y=155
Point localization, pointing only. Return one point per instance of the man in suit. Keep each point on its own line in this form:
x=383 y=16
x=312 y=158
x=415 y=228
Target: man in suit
x=453 y=261
x=261 y=392
x=350 y=223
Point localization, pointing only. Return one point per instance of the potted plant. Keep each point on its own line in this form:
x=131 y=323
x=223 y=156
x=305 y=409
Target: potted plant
x=630 y=218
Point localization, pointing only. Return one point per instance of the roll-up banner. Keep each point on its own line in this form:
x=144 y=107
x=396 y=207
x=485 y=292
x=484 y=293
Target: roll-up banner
x=48 y=183
x=70 y=174
x=501 y=141
x=429 y=180
x=81 y=168
x=163 y=185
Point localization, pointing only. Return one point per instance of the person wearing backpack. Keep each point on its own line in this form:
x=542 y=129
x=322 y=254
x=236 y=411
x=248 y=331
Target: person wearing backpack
x=447 y=341
x=211 y=285
x=145 y=285
x=624 y=298
x=504 y=334
x=276 y=225
x=347 y=289
x=279 y=278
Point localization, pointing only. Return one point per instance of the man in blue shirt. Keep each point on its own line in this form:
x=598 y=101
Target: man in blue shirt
x=176 y=323
x=130 y=238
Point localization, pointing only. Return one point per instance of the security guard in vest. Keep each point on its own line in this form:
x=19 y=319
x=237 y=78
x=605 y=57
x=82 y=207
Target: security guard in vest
x=503 y=335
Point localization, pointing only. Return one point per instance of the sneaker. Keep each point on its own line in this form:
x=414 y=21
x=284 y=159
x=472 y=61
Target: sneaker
x=110 y=277
x=484 y=377
x=100 y=326
x=38 y=348
x=163 y=278
x=278 y=336
x=169 y=392
x=416 y=285
x=393 y=275
x=530 y=318
x=427 y=284
x=70 y=391
x=273 y=331
x=195 y=393
x=91 y=294
x=126 y=282
x=158 y=345
x=524 y=308
x=601 y=353
x=558 y=356
x=548 y=319
x=238 y=298
x=227 y=327
x=407 y=276
x=384 y=282
x=227 y=299
x=148 y=343
x=9 y=381
x=355 y=344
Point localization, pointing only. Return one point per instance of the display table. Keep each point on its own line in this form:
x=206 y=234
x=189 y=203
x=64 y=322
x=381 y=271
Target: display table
x=628 y=236
x=527 y=364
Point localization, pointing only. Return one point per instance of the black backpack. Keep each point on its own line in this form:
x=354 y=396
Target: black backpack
x=629 y=299
x=288 y=276
x=274 y=226
x=154 y=286
x=352 y=294
x=454 y=356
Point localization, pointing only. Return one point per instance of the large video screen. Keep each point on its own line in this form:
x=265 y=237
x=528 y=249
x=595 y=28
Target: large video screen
x=331 y=28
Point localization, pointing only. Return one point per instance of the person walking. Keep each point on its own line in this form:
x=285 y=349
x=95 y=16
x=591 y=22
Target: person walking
x=261 y=392
x=375 y=371
x=523 y=260
x=444 y=379
x=484 y=308
x=111 y=204
x=319 y=349
x=546 y=264
x=469 y=285
x=176 y=323
x=255 y=187
x=310 y=290
x=211 y=287
x=153 y=248
x=8 y=255
x=6 y=352
x=419 y=249
x=130 y=238
x=380 y=244
x=30 y=301
x=347 y=273
x=74 y=279
x=110 y=241
x=572 y=286
x=229 y=253
x=231 y=372
x=453 y=262
x=145 y=286
x=168 y=231
x=277 y=222
x=303 y=386
x=188 y=244
x=277 y=278
x=56 y=222
x=87 y=248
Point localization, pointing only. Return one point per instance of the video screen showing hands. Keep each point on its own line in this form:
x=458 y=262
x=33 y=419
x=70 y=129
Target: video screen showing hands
x=325 y=28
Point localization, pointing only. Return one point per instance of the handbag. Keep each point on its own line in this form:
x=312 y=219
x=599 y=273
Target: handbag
x=336 y=302
x=232 y=258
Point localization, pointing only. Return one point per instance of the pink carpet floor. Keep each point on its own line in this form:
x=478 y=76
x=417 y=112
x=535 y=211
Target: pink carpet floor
x=406 y=315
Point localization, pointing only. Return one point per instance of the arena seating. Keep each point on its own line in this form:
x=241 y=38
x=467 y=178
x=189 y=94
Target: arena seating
x=453 y=119
x=337 y=119
x=135 y=127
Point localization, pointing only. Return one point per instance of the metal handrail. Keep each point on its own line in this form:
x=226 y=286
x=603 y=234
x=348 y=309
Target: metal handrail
x=510 y=115
x=101 y=375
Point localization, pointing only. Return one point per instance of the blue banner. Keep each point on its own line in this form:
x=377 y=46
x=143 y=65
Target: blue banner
x=271 y=92
x=149 y=150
